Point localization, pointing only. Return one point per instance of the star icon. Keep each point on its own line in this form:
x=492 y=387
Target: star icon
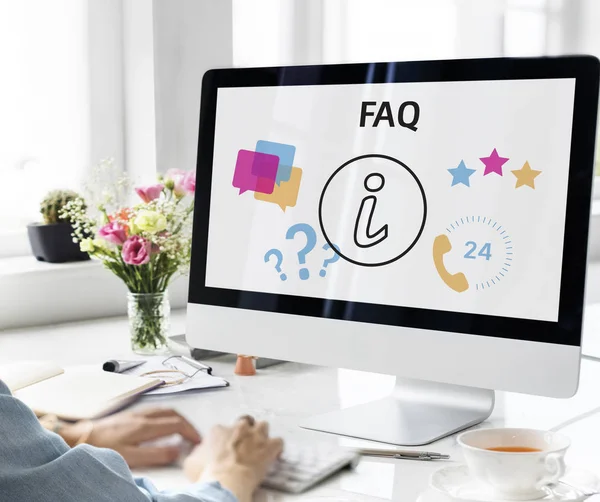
x=525 y=176
x=461 y=174
x=493 y=163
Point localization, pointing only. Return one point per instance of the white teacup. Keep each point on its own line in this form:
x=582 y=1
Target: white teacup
x=515 y=476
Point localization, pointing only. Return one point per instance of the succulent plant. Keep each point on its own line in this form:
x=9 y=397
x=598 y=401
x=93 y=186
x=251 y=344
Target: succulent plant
x=54 y=202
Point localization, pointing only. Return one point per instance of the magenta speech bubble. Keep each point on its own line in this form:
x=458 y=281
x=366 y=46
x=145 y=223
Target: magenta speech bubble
x=255 y=171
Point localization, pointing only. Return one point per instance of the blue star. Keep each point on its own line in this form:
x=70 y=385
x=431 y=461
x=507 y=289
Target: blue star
x=461 y=174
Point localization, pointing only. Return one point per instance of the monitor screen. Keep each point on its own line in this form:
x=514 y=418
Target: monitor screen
x=446 y=196
x=440 y=195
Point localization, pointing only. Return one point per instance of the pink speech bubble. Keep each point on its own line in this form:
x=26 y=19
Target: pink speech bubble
x=255 y=171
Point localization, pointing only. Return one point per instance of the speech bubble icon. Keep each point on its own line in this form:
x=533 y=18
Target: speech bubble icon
x=286 y=194
x=255 y=171
x=286 y=154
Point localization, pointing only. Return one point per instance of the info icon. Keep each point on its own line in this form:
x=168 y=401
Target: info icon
x=374 y=208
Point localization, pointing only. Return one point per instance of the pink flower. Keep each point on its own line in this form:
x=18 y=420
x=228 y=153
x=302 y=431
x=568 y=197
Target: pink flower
x=189 y=182
x=182 y=182
x=176 y=175
x=113 y=232
x=149 y=193
x=136 y=251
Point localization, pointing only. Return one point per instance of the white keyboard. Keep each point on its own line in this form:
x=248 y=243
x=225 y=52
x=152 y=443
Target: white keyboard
x=303 y=466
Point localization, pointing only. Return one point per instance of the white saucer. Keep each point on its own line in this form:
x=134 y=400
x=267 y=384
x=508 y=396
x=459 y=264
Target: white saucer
x=455 y=482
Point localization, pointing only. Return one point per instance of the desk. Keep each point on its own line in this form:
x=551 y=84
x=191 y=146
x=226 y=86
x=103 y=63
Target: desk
x=287 y=393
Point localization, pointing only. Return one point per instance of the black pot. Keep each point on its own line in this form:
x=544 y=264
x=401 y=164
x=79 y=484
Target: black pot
x=54 y=243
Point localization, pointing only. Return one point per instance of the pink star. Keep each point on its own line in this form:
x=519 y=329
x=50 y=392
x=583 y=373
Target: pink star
x=493 y=163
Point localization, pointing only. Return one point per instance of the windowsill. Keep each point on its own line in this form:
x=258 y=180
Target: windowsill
x=14 y=243
x=18 y=265
x=34 y=293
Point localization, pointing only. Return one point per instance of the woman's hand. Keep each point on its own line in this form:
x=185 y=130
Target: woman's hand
x=126 y=431
x=238 y=457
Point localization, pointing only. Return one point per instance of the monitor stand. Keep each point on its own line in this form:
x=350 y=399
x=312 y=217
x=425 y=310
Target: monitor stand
x=417 y=413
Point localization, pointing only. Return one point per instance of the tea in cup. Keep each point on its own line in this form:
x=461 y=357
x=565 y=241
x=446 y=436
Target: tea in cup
x=516 y=464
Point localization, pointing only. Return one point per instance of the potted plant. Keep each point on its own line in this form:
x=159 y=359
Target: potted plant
x=52 y=240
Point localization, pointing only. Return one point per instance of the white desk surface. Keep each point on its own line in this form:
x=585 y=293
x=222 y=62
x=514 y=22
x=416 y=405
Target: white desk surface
x=287 y=393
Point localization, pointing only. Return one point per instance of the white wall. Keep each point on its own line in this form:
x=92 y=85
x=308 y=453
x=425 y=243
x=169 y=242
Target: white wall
x=105 y=42
x=138 y=89
x=190 y=37
x=168 y=45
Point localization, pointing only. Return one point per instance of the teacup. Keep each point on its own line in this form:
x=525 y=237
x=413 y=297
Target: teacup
x=531 y=460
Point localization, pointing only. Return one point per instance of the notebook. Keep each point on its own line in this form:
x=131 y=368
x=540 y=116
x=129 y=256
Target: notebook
x=199 y=381
x=74 y=393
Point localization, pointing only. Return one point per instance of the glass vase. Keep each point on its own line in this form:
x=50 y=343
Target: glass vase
x=149 y=322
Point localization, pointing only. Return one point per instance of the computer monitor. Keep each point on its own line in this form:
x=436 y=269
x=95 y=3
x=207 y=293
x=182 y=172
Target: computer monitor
x=423 y=219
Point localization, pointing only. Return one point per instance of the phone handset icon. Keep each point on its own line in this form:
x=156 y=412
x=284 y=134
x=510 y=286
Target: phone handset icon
x=458 y=282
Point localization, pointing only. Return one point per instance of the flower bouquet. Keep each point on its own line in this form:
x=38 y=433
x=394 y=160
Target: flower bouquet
x=145 y=244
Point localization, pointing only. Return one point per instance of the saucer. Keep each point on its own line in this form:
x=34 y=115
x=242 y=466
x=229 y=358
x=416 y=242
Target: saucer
x=455 y=482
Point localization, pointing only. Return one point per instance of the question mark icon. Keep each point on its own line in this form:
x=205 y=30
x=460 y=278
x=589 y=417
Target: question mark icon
x=279 y=258
x=311 y=241
x=329 y=261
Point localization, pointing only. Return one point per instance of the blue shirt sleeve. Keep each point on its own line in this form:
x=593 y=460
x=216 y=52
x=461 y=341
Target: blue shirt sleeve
x=38 y=466
x=206 y=492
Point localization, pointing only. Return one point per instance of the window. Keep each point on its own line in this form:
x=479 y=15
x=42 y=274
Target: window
x=61 y=99
x=44 y=124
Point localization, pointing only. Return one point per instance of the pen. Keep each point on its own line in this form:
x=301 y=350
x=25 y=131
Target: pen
x=197 y=364
x=118 y=366
x=403 y=454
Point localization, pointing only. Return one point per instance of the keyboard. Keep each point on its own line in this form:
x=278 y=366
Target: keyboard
x=300 y=467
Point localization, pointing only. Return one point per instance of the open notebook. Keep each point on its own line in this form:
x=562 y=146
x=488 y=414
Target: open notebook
x=75 y=393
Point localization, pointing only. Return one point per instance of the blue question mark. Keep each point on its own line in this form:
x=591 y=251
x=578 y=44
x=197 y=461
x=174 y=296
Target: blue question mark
x=311 y=241
x=279 y=257
x=329 y=261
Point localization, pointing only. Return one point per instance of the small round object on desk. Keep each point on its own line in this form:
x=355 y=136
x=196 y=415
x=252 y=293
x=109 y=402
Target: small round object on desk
x=244 y=366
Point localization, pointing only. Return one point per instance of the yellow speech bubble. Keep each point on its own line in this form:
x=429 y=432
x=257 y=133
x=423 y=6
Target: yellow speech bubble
x=286 y=194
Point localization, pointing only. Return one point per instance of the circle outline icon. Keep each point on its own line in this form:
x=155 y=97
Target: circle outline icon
x=420 y=186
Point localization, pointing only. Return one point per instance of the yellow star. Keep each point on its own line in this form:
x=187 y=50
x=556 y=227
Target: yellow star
x=525 y=176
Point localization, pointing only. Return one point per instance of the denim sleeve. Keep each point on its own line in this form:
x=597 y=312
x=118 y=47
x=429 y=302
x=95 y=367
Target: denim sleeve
x=206 y=492
x=38 y=466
